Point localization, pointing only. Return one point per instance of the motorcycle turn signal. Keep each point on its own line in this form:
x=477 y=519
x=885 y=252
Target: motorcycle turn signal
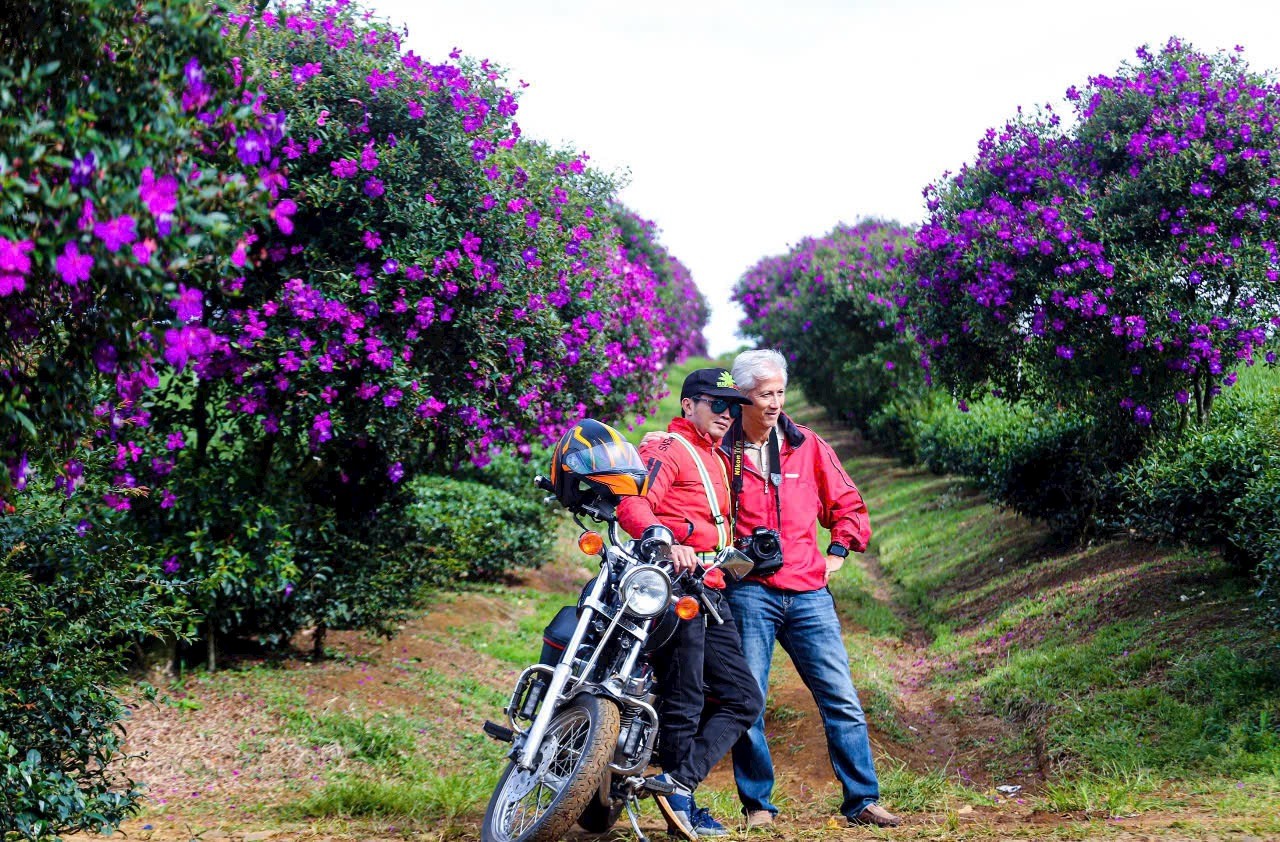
x=590 y=542
x=687 y=607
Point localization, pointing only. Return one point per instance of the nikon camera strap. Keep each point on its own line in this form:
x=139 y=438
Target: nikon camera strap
x=724 y=531
x=775 y=473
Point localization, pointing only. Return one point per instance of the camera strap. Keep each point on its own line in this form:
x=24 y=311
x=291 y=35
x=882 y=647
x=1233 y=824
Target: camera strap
x=775 y=473
x=724 y=531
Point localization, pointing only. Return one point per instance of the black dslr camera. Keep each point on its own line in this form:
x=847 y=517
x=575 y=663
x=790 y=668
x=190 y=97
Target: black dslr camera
x=764 y=547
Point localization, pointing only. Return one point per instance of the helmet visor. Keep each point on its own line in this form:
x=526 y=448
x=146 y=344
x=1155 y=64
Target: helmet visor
x=613 y=456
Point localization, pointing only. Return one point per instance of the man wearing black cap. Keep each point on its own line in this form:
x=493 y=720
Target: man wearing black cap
x=690 y=496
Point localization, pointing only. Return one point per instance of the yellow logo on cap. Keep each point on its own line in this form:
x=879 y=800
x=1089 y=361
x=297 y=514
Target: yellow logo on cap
x=726 y=381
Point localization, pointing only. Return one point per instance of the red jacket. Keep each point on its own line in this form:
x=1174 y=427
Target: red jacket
x=677 y=497
x=815 y=489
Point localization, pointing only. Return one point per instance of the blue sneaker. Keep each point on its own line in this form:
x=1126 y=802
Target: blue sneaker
x=676 y=807
x=706 y=824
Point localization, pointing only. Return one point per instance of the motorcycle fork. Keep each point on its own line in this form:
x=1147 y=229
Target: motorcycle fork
x=559 y=678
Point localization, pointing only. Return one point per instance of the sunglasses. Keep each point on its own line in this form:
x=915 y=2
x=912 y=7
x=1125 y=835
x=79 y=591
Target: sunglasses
x=719 y=405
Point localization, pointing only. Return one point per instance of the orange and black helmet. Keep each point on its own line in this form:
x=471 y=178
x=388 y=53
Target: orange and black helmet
x=592 y=458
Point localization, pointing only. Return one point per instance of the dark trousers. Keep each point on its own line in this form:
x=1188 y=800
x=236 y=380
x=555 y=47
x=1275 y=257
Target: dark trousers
x=702 y=670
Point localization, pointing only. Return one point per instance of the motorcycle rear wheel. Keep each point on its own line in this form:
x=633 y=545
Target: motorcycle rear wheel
x=541 y=804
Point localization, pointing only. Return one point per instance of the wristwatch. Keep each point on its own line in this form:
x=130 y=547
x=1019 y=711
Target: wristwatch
x=839 y=550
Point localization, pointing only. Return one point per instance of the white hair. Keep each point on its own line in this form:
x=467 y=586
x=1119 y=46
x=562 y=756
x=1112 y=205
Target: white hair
x=750 y=367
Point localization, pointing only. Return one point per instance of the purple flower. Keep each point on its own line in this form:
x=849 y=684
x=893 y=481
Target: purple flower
x=167 y=499
x=197 y=92
x=171 y=565
x=18 y=472
x=344 y=168
x=159 y=195
x=72 y=265
x=82 y=170
x=321 y=429
x=1142 y=415
x=373 y=187
x=282 y=212
x=430 y=408
x=185 y=343
x=371 y=240
x=115 y=234
x=252 y=148
x=188 y=306
x=13 y=256
x=105 y=357
x=396 y=472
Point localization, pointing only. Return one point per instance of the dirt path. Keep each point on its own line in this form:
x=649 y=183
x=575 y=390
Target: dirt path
x=224 y=762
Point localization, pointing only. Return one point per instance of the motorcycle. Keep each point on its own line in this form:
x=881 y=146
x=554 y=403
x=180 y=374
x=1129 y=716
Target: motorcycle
x=582 y=722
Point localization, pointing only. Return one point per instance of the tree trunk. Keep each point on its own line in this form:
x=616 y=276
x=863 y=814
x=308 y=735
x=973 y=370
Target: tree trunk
x=317 y=643
x=158 y=658
x=212 y=648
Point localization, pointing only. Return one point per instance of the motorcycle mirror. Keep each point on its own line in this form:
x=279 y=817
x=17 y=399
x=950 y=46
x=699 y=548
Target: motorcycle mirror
x=734 y=562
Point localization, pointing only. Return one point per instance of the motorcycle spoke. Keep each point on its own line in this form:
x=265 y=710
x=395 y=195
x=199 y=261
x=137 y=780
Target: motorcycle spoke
x=531 y=795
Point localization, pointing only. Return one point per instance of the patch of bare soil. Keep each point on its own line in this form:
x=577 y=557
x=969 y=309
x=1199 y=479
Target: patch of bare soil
x=221 y=760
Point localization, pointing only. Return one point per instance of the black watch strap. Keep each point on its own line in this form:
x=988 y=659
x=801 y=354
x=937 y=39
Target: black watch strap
x=838 y=550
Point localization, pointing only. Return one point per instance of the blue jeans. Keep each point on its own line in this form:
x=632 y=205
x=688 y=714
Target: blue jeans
x=807 y=627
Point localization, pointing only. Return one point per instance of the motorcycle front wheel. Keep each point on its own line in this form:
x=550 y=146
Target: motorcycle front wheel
x=542 y=803
x=602 y=811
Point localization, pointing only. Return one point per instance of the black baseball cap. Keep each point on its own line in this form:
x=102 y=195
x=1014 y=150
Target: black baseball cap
x=712 y=382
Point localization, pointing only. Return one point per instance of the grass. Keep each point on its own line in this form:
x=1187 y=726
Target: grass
x=1136 y=671
x=1142 y=679
x=915 y=792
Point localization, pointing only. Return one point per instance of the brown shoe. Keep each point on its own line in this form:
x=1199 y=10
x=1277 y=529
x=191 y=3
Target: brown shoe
x=758 y=819
x=874 y=814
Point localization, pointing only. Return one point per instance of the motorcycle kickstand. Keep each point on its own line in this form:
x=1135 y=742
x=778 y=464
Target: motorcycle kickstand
x=633 y=811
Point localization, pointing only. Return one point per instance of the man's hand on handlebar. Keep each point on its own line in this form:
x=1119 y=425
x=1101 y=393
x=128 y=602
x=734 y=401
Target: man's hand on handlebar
x=683 y=559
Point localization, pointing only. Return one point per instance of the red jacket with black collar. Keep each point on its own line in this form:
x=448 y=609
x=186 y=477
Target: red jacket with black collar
x=815 y=489
x=677 y=497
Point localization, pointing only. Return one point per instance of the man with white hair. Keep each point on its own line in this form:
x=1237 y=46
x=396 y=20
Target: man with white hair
x=785 y=481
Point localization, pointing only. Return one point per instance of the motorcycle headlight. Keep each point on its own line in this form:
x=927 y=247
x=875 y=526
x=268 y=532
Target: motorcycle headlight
x=646 y=591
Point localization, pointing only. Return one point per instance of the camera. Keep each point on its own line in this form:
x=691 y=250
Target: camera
x=764 y=547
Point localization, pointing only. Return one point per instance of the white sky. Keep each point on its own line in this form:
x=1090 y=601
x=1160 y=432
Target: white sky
x=743 y=127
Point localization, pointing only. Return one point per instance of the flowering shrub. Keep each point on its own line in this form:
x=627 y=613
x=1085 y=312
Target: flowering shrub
x=119 y=192
x=1126 y=265
x=684 y=312
x=428 y=288
x=829 y=305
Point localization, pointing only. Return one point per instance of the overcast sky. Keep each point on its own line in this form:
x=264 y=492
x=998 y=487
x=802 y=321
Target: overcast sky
x=742 y=127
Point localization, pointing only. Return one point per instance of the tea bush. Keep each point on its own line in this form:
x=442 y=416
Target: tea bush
x=73 y=606
x=474 y=532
